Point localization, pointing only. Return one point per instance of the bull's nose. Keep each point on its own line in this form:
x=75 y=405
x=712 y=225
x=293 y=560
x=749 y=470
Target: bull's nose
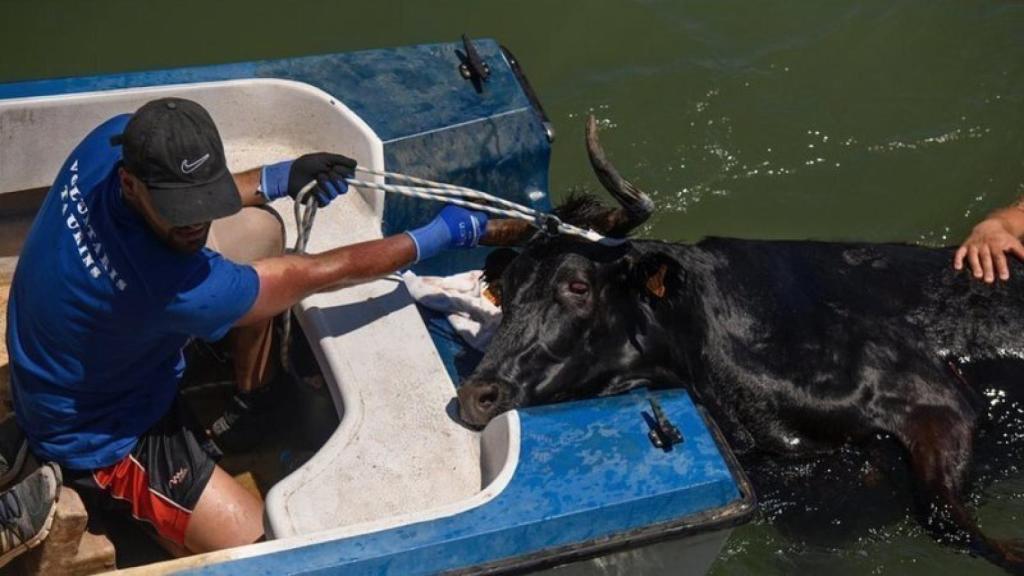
x=478 y=403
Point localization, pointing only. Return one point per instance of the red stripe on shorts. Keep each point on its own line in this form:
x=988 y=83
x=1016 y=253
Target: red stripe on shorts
x=128 y=480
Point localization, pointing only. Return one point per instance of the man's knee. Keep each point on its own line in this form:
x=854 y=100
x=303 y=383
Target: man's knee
x=226 y=515
x=249 y=235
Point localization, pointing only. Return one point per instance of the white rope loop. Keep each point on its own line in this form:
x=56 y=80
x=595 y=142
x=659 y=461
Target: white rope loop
x=457 y=195
x=306 y=206
x=453 y=190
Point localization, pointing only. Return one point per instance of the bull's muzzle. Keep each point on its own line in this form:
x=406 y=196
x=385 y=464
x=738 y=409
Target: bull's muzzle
x=479 y=402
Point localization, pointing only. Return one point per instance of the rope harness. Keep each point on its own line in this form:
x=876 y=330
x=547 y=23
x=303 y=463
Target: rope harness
x=305 y=208
x=472 y=199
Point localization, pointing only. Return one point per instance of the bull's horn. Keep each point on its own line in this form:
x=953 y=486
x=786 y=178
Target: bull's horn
x=507 y=232
x=637 y=207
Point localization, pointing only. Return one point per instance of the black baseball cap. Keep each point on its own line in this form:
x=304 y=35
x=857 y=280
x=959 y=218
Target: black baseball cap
x=173 y=146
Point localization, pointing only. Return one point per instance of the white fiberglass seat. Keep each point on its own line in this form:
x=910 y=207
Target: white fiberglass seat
x=396 y=451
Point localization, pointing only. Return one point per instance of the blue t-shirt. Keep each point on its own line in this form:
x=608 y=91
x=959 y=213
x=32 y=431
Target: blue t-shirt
x=100 y=310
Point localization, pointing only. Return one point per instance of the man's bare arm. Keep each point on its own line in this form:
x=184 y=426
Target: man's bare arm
x=284 y=280
x=247 y=183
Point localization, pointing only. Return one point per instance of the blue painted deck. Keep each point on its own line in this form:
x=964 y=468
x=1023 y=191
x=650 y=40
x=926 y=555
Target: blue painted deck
x=399 y=92
x=587 y=471
x=433 y=123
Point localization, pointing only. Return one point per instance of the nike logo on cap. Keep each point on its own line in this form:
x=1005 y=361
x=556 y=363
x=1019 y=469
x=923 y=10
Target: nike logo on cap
x=189 y=167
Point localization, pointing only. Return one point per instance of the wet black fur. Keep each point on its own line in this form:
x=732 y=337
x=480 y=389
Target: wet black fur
x=797 y=348
x=581 y=207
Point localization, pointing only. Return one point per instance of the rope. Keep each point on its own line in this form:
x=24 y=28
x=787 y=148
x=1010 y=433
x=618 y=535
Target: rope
x=305 y=208
x=450 y=190
x=451 y=194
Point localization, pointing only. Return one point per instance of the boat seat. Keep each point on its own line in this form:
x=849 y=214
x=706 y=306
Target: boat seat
x=397 y=450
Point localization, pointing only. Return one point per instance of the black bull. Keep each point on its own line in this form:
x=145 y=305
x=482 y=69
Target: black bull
x=797 y=348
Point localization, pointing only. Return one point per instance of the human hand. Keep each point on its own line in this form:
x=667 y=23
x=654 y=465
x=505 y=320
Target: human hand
x=454 y=227
x=289 y=177
x=986 y=247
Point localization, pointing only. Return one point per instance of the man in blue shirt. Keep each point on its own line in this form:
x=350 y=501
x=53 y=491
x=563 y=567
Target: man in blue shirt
x=115 y=279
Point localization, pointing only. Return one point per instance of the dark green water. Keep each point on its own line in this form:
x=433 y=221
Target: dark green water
x=897 y=120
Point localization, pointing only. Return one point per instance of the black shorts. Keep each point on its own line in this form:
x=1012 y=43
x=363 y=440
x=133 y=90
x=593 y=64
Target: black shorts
x=159 y=482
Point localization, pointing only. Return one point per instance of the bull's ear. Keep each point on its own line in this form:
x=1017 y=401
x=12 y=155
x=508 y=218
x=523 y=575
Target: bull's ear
x=655 y=275
x=656 y=282
x=494 y=267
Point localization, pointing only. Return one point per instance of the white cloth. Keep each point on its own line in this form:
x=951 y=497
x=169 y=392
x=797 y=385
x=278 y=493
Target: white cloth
x=461 y=298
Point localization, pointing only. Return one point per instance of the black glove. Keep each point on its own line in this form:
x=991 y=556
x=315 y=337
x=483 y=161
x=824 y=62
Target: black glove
x=291 y=176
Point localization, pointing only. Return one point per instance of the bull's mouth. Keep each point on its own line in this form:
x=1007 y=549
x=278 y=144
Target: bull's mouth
x=470 y=422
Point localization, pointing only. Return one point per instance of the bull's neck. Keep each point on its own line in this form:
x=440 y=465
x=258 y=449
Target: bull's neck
x=682 y=317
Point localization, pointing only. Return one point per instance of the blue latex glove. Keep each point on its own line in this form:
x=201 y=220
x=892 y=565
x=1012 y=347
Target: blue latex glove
x=289 y=177
x=454 y=227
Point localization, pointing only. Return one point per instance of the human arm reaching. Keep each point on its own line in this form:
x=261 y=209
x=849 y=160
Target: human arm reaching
x=986 y=247
x=284 y=280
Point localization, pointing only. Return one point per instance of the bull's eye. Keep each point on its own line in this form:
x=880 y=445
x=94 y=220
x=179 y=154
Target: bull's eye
x=578 y=287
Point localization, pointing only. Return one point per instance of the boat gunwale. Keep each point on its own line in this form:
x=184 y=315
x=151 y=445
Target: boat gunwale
x=725 y=517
